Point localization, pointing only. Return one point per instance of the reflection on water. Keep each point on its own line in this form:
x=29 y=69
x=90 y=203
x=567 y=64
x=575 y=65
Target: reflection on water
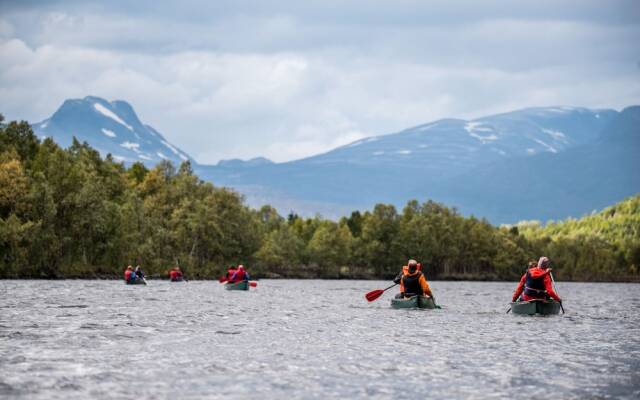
x=311 y=339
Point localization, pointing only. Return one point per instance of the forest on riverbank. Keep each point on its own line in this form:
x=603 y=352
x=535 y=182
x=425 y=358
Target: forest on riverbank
x=69 y=213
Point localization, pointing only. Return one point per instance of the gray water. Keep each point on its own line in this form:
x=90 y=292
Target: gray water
x=313 y=340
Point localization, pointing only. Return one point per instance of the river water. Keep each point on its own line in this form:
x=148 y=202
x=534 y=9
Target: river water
x=311 y=340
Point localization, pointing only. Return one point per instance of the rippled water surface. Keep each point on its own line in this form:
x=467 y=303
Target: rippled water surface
x=311 y=339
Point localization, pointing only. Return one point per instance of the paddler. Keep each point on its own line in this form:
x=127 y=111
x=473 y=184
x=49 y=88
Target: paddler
x=239 y=275
x=176 y=274
x=231 y=272
x=536 y=283
x=139 y=272
x=129 y=274
x=412 y=281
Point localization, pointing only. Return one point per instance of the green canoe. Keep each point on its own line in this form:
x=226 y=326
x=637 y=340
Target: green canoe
x=244 y=285
x=414 y=302
x=136 y=282
x=542 y=307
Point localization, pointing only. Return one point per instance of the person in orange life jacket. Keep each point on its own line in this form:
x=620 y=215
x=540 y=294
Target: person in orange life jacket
x=239 y=275
x=175 y=274
x=230 y=272
x=536 y=283
x=129 y=274
x=412 y=281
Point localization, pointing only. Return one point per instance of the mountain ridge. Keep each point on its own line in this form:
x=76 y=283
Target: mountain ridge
x=474 y=165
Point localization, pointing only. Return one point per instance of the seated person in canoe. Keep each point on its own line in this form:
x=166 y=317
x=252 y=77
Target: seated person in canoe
x=412 y=281
x=176 y=274
x=129 y=274
x=536 y=283
x=239 y=275
x=230 y=272
x=139 y=272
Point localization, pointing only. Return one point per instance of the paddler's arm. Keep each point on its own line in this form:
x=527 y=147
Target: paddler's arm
x=425 y=286
x=519 y=289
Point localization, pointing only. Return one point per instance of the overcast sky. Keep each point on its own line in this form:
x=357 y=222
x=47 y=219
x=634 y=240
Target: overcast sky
x=288 y=79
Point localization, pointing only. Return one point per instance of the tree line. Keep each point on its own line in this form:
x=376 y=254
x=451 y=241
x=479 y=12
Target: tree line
x=69 y=213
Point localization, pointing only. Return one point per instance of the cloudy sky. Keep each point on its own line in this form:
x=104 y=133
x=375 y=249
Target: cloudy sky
x=288 y=79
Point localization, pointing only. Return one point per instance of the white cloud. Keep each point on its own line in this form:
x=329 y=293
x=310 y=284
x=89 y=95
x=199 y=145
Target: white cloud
x=240 y=82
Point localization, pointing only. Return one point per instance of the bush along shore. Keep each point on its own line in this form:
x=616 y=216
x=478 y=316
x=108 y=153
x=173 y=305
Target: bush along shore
x=69 y=213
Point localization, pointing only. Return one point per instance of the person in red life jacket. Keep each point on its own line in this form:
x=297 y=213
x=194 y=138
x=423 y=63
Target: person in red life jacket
x=230 y=272
x=176 y=274
x=129 y=275
x=536 y=283
x=239 y=275
x=412 y=281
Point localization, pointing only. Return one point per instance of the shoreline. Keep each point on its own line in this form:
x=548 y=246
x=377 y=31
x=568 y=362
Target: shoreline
x=443 y=279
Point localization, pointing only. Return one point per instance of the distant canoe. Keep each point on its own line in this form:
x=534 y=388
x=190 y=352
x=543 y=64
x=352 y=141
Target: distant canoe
x=414 y=302
x=542 y=307
x=136 y=282
x=243 y=285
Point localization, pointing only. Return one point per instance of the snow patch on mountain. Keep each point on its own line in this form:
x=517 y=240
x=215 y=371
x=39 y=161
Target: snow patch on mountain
x=110 y=114
x=545 y=145
x=556 y=135
x=475 y=128
x=363 y=141
x=170 y=147
x=131 y=146
x=109 y=133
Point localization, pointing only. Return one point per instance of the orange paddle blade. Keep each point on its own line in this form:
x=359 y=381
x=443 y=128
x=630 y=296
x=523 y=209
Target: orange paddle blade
x=253 y=284
x=222 y=279
x=371 y=296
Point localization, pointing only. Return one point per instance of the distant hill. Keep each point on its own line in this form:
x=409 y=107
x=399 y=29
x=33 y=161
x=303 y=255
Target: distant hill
x=537 y=163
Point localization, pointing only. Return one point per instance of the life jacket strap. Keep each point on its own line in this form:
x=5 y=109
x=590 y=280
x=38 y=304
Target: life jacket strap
x=537 y=291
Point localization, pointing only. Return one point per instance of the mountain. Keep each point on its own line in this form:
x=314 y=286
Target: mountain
x=536 y=163
x=553 y=186
x=110 y=127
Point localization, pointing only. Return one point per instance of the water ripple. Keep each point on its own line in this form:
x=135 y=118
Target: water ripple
x=311 y=340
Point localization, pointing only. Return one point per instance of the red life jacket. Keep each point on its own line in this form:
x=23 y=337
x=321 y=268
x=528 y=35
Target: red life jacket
x=534 y=287
x=240 y=275
x=230 y=273
x=127 y=275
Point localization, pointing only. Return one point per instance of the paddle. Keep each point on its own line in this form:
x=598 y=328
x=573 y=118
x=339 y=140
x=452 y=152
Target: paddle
x=374 y=294
x=434 y=303
x=253 y=284
x=555 y=290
